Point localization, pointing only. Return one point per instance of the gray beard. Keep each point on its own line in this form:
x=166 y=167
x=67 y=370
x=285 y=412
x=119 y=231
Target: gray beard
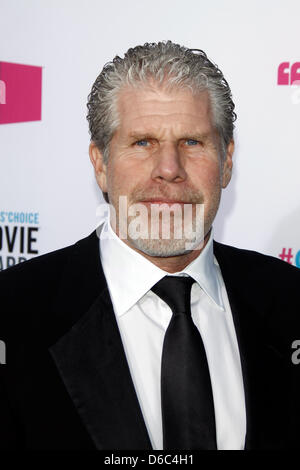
x=164 y=234
x=165 y=248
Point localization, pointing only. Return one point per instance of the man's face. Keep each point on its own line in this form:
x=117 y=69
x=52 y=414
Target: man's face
x=165 y=150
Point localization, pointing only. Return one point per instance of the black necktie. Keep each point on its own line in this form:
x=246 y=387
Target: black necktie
x=186 y=393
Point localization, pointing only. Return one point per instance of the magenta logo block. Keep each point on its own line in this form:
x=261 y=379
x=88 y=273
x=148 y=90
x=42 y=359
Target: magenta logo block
x=288 y=74
x=20 y=93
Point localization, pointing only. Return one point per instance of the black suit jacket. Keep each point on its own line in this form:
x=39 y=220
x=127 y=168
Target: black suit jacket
x=66 y=382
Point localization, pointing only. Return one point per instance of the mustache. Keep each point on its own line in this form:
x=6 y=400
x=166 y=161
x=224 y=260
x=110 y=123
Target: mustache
x=187 y=195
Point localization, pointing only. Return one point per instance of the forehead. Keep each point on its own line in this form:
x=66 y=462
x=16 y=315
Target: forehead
x=153 y=107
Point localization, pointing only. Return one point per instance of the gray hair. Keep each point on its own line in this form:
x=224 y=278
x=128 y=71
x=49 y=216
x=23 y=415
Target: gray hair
x=163 y=62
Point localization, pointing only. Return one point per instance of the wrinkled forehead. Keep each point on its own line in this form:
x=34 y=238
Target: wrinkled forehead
x=144 y=106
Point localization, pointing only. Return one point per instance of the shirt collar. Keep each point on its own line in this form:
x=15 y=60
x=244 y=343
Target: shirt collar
x=130 y=275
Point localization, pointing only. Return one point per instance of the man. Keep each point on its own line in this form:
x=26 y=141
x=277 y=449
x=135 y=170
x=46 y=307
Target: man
x=148 y=334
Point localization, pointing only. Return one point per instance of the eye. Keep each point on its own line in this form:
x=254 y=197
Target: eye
x=191 y=142
x=142 y=143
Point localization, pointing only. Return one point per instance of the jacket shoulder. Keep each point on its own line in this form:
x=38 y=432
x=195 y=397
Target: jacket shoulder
x=29 y=289
x=49 y=264
x=253 y=259
x=276 y=278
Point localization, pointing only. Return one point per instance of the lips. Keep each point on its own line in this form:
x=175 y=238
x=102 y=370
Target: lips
x=163 y=201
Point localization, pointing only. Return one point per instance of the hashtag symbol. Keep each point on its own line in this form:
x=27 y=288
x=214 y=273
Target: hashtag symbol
x=286 y=256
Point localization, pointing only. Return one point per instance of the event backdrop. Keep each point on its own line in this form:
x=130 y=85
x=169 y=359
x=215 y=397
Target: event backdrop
x=51 y=52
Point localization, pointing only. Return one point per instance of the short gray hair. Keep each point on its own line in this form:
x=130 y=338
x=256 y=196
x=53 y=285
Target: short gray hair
x=160 y=62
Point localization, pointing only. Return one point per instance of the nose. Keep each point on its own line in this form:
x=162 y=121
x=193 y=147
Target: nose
x=168 y=164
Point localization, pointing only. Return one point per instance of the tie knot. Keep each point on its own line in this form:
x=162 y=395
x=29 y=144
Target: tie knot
x=176 y=292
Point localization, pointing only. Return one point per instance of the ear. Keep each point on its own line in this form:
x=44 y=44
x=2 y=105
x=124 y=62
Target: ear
x=96 y=157
x=227 y=165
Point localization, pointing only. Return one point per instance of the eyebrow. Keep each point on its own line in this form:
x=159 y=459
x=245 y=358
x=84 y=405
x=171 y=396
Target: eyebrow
x=141 y=135
x=186 y=135
x=196 y=136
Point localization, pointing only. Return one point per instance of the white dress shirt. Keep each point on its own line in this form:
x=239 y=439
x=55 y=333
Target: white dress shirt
x=143 y=318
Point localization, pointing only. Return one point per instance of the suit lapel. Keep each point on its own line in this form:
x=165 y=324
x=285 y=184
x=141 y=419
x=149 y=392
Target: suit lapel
x=263 y=366
x=90 y=356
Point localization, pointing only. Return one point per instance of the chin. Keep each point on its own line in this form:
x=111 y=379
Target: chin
x=166 y=248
